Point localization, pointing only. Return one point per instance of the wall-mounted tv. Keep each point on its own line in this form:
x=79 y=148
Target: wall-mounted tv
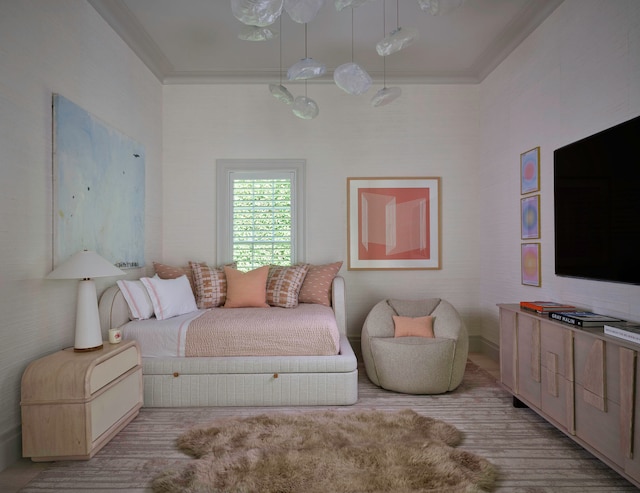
x=597 y=206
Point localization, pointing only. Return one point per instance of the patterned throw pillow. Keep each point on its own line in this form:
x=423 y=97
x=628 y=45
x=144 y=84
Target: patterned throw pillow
x=170 y=272
x=211 y=285
x=316 y=287
x=284 y=283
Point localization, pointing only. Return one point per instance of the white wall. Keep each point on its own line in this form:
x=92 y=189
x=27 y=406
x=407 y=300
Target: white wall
x=429 y=131
x=577 y=74
x=55 y=47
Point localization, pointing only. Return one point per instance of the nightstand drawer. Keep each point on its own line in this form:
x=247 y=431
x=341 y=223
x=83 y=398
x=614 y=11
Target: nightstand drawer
x=107 y=408
x=109 y=370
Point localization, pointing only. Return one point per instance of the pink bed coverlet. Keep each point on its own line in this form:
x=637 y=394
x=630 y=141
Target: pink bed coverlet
x=307 y=330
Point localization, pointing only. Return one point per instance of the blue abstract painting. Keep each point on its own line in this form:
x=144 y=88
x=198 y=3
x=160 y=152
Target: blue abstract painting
x=99 y=188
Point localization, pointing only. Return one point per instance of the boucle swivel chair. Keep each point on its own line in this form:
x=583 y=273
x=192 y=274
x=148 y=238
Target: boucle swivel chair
x=415 y=365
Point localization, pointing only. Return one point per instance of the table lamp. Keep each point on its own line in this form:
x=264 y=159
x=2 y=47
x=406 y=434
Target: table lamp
x=86 y=265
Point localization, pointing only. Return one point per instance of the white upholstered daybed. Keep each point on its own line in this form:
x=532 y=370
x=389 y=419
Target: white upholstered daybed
x=244 y=380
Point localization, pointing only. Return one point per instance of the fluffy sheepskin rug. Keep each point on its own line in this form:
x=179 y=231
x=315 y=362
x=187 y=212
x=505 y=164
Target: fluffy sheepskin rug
x=328 y=451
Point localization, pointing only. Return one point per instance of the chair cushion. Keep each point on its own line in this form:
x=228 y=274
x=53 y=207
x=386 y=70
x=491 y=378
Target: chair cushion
x=414 y=365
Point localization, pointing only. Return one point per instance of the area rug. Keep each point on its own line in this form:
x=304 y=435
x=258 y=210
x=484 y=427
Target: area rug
x=328 y=451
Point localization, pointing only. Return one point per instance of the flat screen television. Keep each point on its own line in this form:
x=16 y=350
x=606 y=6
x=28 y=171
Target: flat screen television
x=597 y=206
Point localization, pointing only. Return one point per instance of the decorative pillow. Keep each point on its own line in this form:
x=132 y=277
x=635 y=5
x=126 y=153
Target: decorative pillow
x=137 y=298
x=170 y=297
x=284 y=283
x=413 y=327
x=211 y=285
x=316 y=287
x=246 y=289
x=170 y=272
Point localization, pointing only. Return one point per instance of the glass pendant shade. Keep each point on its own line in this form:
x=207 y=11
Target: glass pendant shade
x=352 y=78
x=440 y=7
x=257 y=12
x=281 y=93
x=305 y=108
x=302 y=11
x=257 y=33
x=343 y=4
x=385 y=96
x=307 y=68
x=397 y=40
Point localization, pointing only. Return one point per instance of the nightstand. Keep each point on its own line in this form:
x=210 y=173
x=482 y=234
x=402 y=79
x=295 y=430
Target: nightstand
x=73 y=403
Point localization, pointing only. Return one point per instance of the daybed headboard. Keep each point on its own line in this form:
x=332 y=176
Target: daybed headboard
x=114 y=311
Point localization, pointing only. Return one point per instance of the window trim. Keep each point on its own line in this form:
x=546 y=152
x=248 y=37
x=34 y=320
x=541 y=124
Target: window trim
x=225 y=171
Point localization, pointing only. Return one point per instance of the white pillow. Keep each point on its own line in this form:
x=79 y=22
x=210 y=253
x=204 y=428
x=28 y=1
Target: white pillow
x=136 y=296
x=170 y=297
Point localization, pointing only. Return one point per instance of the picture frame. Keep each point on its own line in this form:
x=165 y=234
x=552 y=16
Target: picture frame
x=530 y=256
x=530 y=217
x=530 y=171
x=394 y=223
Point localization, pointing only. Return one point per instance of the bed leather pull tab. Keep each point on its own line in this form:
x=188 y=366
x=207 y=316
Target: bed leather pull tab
x=275 y=375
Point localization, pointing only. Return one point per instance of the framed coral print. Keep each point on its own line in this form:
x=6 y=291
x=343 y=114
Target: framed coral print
x=393 y=223
x=530 y=262
x=530 y=171
x=530 y=217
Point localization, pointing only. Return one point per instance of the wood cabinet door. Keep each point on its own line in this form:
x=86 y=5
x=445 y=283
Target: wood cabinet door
x=556 y=361
x=528 y=366
x=508 y=349
x=597 y=395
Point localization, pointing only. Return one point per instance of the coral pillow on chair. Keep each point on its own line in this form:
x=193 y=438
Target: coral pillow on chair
x=413 y=327
x=246 y=289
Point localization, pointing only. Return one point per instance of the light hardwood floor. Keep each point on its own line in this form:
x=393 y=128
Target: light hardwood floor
x=531 y=455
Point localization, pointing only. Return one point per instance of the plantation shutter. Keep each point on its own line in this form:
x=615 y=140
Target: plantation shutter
x=262 y=219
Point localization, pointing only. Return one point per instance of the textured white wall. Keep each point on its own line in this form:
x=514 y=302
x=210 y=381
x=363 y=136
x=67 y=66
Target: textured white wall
x=64 y=47
x=429 y=131
x=577 y=74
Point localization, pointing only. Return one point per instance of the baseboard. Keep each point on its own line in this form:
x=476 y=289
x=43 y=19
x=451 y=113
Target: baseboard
x=478 y=344
x=10 y=447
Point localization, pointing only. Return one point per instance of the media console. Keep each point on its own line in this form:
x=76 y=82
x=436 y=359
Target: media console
x=579 y=379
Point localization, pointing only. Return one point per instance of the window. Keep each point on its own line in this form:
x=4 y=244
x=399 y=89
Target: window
x=260 y=212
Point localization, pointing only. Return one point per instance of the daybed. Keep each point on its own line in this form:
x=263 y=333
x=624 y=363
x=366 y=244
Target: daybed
x=244 y=380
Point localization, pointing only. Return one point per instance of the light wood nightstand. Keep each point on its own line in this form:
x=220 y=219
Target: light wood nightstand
x=74 y=403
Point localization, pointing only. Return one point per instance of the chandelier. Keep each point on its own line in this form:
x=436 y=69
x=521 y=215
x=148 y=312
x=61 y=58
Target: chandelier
x=259 y=16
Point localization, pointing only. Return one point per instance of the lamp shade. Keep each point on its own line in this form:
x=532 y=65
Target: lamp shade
x=86 y=264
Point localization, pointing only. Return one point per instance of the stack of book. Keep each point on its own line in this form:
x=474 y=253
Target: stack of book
x=545 y=306
x=582 y=319
x=629 y=331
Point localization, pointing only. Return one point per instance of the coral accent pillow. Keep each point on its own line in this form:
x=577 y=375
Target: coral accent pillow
x=246 y=289
x=284 y=283
x=413 y=327
x=137 y=298
x=170 y=297
x=316 y=287
x=170 y=272
x=211 y=285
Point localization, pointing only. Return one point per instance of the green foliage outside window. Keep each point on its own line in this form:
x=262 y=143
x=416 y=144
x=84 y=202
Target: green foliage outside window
x=262 y=222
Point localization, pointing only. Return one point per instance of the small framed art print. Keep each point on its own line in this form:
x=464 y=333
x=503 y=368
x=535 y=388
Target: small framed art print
x=530 y=264
x=530 y=171
x=530 y=217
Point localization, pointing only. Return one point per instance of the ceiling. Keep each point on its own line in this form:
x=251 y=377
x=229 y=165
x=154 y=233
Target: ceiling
x=195 y=41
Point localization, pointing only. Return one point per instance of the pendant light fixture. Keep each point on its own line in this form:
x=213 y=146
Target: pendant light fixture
x=398 y=39
x=303 y=106
x=278 y=91
x=351 y=77
x=307 y=68
x=257 y=12
x=386 y=94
